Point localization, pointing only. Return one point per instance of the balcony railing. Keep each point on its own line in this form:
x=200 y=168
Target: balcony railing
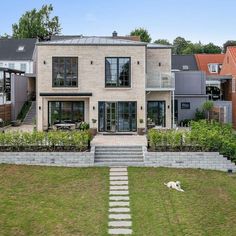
x=160 y=81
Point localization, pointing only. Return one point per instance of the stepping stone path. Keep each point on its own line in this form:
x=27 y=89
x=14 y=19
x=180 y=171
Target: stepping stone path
x=120 y=222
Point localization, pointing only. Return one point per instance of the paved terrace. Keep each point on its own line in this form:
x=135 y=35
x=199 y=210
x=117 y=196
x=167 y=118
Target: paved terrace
x=119 y=140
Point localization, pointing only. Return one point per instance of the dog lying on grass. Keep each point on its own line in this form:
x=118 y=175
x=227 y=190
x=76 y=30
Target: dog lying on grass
x=175 y=185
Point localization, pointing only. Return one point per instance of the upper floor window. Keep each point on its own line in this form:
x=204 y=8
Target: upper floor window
x=65 y=71
x=11 y=66
x=213 y=68
x=118 y=72
x=23 y=67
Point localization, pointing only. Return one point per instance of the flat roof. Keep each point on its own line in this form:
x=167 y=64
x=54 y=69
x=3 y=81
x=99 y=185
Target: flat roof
x=11 y=70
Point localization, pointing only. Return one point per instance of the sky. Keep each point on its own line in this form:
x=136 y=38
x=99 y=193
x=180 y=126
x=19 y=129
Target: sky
x=195 y=20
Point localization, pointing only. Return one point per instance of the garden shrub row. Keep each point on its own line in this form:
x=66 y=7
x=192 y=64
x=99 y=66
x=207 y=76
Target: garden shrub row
x=203 y=136
x=45 y=141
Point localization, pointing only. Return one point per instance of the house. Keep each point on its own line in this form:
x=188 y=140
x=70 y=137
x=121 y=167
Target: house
x=229 y=69
x=218 y=86
x=115 y=84
x=190 y=87
x=19 y=54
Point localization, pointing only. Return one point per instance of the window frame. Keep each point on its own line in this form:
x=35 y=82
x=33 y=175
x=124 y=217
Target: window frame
x=60 y=108
x=117 y=79
x=183 y=107
x=64 y=78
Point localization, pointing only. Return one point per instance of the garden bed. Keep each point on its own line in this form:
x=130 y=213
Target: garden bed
x=180 y=149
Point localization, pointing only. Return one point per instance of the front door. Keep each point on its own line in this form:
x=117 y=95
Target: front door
x=117 y=117
x=156 y=113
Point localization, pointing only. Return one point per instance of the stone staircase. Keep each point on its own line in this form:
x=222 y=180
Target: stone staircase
x=119 y=156
x=29 y=118
x=203 y=160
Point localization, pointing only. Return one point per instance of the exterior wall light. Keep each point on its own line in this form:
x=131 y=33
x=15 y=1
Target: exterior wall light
x=141 y=107
x=91 y=62
x=93 y=107
x=159 y=64
x=138 y=62
x=44 y=62
x=39 y=107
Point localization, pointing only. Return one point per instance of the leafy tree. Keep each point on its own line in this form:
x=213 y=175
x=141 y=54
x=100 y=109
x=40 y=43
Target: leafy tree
x=227 y=44
x=37 y=24
x=5 y=36
x=207 y=107
x=142 y=33
x=162 y=41
x=179 y=45
x=212 y=48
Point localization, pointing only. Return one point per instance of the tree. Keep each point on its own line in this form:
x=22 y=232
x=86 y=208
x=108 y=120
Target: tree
x=179 y=45
x=227 y=44
x=212 y=48
x=142 y=33
x=162 y=41
x=207 y=107
x=5 y=36
x=37 y=24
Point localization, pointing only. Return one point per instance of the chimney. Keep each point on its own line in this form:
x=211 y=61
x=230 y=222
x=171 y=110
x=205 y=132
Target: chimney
x=114 y=34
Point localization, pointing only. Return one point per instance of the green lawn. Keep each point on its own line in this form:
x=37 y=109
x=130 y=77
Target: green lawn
x=53 y=201
x=207 y=207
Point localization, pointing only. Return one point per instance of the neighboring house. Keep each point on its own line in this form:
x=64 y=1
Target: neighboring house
x=116 y=81
x=218 y=87
x=190 y=87
x=19 y=54
x=229 y=69
x=13 y=93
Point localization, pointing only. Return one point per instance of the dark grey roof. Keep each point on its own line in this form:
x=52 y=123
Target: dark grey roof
x=92 y=40
x=184 y=62
x=9 y=49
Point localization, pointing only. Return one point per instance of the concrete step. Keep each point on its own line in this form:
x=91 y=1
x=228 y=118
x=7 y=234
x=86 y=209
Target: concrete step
x=117 y=160
x=136 y=164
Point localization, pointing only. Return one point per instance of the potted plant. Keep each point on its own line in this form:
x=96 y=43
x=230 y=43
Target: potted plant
x=141 y=131
x=93 y=130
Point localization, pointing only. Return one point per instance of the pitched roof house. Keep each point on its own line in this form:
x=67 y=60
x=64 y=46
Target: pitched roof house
x=229 y=69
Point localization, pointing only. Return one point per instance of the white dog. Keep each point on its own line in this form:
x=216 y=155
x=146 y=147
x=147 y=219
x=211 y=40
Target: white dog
x=175 y=185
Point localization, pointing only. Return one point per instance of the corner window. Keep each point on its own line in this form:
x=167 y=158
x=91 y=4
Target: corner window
x=117 y=72
x=64 y=71
x=185 y=105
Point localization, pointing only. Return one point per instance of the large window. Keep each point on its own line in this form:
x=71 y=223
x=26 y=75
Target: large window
x=117 y=72
x=65 y=112
x=65 y=71
x=156 y=113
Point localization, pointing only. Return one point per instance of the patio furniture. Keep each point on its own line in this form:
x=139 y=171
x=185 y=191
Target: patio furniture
x=65 y=126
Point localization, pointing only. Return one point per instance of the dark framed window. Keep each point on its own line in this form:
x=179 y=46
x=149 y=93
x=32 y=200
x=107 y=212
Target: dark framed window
x=156 y=113
x=117 y=71
x=64 y=71
x=185 y=105
x=65 y=112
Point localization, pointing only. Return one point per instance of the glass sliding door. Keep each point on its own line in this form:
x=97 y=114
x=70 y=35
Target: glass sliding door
x=117 y=117
x=156 y=112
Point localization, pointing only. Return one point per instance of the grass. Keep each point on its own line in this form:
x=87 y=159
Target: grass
x=207 y=207
x=53 y=200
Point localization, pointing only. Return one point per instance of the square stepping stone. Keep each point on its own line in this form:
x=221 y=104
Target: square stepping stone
x=118 y=173
x=113 y=192
x=120 y=216
x=119 y=209
x=118 y=182
x=121 y=223
x=119 y=198
x=118 y=169
x=118 y=177
x=120 y=231
x=120 y=204
x=121 y=187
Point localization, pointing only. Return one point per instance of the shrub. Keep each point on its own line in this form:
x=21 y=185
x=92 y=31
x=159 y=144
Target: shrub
x=47 y=141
